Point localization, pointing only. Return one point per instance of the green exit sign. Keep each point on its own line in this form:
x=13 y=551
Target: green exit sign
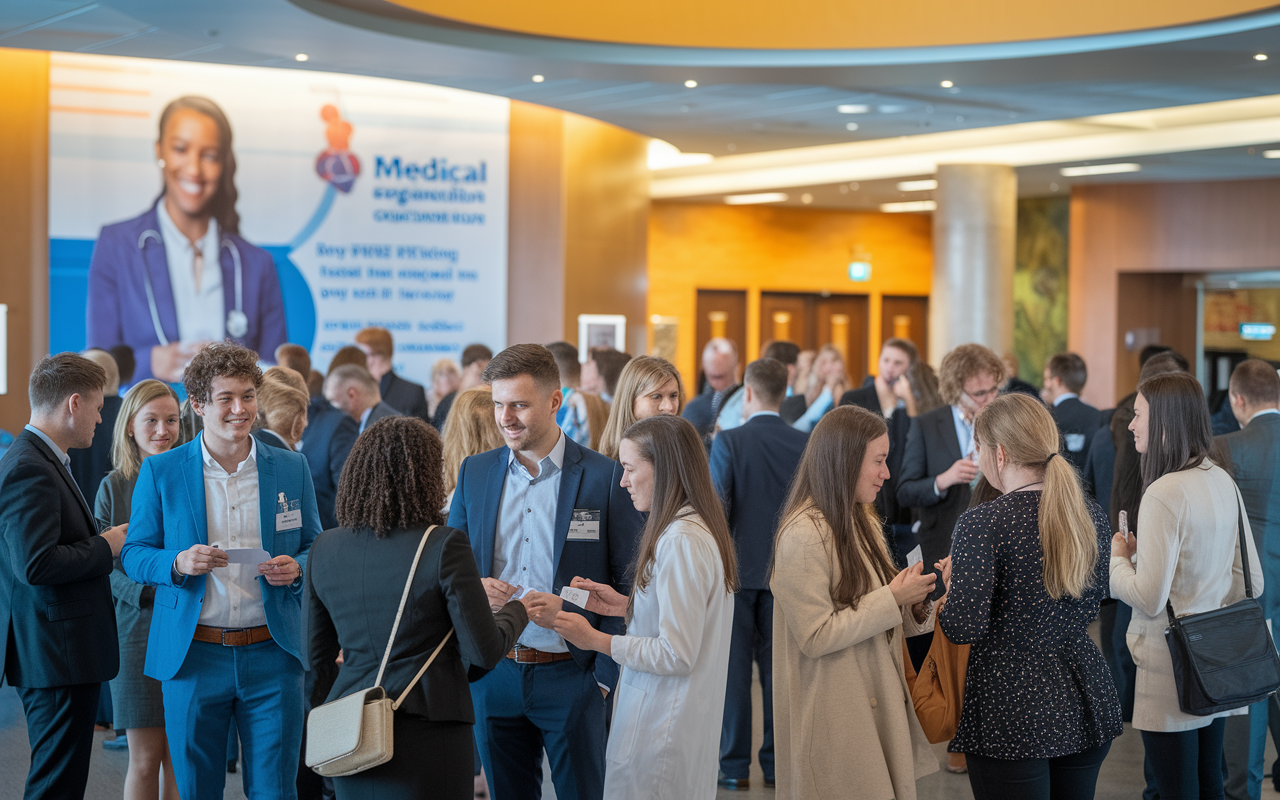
x=860 y=271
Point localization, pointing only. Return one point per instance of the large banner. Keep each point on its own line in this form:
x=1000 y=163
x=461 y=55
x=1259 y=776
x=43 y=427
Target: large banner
x=379 y=202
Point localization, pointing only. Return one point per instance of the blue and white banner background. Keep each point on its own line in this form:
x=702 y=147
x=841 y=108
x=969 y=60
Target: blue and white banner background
x=382 y=202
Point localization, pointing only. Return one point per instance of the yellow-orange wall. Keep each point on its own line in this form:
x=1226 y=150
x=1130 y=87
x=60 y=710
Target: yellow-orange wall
x=768 y=248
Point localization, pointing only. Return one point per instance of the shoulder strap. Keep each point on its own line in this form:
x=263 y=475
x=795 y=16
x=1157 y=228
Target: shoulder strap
x=404 y=597
x=1244 y=558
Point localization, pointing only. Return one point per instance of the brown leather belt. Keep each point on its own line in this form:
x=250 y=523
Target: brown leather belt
x=232 y=637
x=527 y=655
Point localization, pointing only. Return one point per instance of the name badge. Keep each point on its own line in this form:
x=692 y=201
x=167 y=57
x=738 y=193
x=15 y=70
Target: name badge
x=585 y=525
x=289 y=520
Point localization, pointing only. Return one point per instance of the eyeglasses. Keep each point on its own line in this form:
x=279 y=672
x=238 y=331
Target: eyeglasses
x=979 y=396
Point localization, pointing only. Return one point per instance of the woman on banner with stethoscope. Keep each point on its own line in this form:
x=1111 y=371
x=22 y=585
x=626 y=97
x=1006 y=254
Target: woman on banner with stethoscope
x=179 y=276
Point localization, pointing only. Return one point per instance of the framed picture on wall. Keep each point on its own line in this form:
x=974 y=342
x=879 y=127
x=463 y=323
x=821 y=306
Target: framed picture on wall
x=601 y=330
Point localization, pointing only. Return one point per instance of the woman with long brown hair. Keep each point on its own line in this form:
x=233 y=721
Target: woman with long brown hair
x=844 y=725
x=471 y=429
x=1188 y=560
x=665 y=738
x=1025 y=578
x=649 y=386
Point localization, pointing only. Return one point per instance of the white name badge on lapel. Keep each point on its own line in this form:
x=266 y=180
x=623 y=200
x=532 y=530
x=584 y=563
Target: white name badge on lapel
x=584 y=526
x=288 y=514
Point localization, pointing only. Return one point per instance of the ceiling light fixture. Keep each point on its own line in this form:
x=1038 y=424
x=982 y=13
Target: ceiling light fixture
x=946 y=84
x=806 y=198
x=1271 y=153
x=690 y=84
x=1260 y=57
x=853 y=108
x=1098 y=169
x=664 y=155
x=918 y=186
x=754 y=199
x=300 y=57
x=851 y=126
x=538 y=78
x=908 y=206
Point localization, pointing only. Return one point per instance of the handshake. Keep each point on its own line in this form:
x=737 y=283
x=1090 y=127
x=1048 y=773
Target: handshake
x=548 y=610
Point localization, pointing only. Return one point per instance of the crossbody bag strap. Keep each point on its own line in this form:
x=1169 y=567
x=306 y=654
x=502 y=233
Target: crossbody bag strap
x=1244 y=559
x=421 y=672
x=404 y=597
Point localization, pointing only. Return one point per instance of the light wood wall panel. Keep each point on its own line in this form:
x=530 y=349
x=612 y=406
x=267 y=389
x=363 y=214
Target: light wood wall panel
x=535 y=228
x=24 y=225
x=778 y=249
x=1215 y=226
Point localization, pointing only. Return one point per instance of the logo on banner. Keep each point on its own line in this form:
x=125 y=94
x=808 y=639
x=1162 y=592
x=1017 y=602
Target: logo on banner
x=337 y=164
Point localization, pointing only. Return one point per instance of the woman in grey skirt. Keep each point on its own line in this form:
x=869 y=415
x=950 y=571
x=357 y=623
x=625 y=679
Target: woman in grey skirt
x=148 y=424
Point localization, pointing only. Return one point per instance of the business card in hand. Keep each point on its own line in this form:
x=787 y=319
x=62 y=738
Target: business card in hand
x=576 y=596
x=914 y=557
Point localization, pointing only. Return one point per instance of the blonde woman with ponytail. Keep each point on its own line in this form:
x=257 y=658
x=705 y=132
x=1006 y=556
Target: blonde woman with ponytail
x=1024 y=579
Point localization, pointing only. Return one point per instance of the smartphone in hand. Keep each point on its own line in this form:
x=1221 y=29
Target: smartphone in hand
x=1124 y=524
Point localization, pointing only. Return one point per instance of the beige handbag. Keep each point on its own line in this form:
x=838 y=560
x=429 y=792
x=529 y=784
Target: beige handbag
x=353 y=733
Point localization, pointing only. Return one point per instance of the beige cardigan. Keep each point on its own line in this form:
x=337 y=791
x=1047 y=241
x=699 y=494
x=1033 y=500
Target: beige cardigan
x=844 y=724
x=1188 y=554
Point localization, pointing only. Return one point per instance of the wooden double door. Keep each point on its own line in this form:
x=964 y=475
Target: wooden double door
x=814 y=320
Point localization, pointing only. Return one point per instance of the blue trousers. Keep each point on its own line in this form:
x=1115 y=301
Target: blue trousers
x=752 y=642
x=260 y=686
x=522 y=708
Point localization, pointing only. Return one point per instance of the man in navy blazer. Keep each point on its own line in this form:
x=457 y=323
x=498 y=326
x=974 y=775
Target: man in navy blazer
x=58 y=641
x=226 y=636
x=752 y=467
x=539 y=512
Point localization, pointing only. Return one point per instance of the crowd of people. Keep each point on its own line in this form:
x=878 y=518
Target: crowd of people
x=592 y=564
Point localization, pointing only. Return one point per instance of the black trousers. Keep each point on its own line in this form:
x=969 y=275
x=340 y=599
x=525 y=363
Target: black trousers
x=432 y=761
x=1073 y=777
x=60 y=729
x=1187 y=764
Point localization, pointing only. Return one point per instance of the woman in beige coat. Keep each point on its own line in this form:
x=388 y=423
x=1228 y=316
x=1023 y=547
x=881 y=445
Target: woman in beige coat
x=844 y=723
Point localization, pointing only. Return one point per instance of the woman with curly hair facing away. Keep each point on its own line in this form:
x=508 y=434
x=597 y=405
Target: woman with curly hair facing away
x=391 y=491
x=844 y=724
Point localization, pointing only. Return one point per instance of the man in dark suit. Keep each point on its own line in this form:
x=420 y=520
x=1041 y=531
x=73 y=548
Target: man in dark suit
x=539 y=512
x=59 y=640
x=409 y=397
x=788 y=353
x=720 y=367
x=353 y=390
x=328 y=439
x=1254 y=396
x=91 y=464
x=752 y=467
x=1064 y=378
x=475 y=357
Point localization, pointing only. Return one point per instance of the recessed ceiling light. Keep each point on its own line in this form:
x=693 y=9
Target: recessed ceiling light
x=853 y=108
x=300 y=57
x=1271 y=153
x=946 y=84
x=908 y=206
x=753 y=199
x=1260 y=57
x=538 y=78
x=1098 y=169
x=664 y=155
x=690 y=84
x=1053 y=187
x=917 y=186
x=851 y=126
x=892 y=109
x=806 y=198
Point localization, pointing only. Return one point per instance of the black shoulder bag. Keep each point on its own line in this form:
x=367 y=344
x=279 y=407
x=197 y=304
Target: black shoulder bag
x=1223 y=659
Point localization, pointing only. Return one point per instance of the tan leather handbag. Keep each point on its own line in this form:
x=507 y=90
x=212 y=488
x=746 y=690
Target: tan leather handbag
x=938 y=691
x=353 y=733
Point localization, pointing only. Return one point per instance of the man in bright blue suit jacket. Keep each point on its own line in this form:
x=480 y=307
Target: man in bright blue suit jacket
x=540 y=512
x=226 y=638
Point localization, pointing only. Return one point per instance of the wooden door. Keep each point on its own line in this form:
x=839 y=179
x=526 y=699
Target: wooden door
x=720 y=313
x=906 y=318
x=842 y=321
x=786 y=317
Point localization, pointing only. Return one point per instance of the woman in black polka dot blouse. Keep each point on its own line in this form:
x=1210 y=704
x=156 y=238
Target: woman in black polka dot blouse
x=1026 y=573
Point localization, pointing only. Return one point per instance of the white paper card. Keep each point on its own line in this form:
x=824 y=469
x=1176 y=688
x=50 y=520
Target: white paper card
x=576 y=596
x=289 y=520
x=584 y=525
x=247 y=555
x=914 y=557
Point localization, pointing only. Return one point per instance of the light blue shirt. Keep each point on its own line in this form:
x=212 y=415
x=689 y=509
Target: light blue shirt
x=824 y=403
x=1060 y=399
x=964 y=431
x=524 y=547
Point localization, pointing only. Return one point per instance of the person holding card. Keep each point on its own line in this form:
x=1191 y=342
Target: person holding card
x=539 y=511
x=844 y=724
x=226 y=638
x=665 y=738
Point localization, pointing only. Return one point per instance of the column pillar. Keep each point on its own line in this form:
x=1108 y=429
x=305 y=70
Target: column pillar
x=974 y=230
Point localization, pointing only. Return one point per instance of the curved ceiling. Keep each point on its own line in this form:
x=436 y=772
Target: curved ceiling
x=824 y=24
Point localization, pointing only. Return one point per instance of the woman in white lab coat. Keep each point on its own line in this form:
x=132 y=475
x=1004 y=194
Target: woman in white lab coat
x=665 y=738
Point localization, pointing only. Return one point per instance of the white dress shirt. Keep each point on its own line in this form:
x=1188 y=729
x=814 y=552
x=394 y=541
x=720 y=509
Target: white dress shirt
x=201 y=313
x=232 y=594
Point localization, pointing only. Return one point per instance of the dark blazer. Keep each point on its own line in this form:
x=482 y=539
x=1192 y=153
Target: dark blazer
x=588 y=481
x=1255 y=460
x=932 y=447
x=382 y=409
x=326 y=443
x=1077 y=422
x=91 y=464
x=891 y=511
x=698 y=411
x=272 y=439
x=405 y=395
x=793 y=408
x=1099 y=466
x=1126 y=475
x=55 y=594
x=1020 y=386
x=354 y=583
x=752 y=467
x=864 y=396
x=442 y=410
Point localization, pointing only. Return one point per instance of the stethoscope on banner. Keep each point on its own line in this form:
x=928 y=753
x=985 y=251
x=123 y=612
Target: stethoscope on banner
x=237 y=322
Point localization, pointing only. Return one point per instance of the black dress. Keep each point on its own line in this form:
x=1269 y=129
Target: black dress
x=1037 y=685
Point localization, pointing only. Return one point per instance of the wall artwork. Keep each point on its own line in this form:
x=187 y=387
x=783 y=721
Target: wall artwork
x=1040 y=284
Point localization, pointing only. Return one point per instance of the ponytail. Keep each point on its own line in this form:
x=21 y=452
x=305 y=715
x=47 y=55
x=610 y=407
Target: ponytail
x=1067 y=534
